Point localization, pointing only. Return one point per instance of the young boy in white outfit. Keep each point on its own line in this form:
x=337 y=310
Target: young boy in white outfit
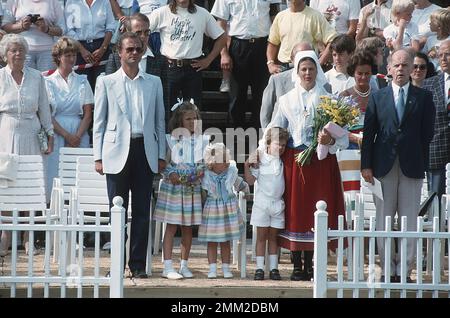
x=266 y=168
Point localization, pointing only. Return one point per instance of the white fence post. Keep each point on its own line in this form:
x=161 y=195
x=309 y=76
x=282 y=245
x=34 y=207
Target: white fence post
x=117 y=248
x=243 y=249
x=320 y=250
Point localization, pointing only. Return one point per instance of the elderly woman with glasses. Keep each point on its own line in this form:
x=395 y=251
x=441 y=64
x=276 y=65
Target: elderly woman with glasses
x=24 y=107
x=423 y=69
x=71 y=100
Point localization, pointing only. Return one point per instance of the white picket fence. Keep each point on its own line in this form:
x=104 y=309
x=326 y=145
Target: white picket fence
x=360 y=283
x=69 y=274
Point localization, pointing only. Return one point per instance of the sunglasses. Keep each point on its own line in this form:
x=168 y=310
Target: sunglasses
x=421 y=67
x=136 y=49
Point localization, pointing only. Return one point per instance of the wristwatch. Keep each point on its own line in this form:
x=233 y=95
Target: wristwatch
x=270 y=62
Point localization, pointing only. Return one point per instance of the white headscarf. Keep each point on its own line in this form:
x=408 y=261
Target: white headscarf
x=321 y=80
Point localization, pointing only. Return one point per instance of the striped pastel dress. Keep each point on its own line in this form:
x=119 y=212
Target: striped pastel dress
x=181 y=204
x=222 y=221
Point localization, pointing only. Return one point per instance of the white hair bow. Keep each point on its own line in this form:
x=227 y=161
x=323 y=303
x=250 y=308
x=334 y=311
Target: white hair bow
x=179 y=103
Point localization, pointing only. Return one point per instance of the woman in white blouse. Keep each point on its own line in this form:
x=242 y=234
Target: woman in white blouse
x=91 y=23
x=319 y=180
x=24 y=108
x=38 y=21
x=71 y=100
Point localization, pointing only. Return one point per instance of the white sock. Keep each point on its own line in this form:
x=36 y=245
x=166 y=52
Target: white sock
x=184 y=263
x=225 y=267
x=213 y=267
x=168 y=265
x=260 y=262
x=273 y=261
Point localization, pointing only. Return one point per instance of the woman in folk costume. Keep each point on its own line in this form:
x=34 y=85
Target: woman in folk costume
x=318 y=180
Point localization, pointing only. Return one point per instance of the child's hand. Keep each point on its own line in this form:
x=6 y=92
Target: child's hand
x=253 y=160
x=174 y=178
x=402 y=23
x=432 y=53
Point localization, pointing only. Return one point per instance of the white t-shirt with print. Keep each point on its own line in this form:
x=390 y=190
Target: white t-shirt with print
x=182 y=33
x=148 y=6
x=338 y=12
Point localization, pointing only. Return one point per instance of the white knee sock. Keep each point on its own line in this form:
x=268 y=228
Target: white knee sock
x=273 y=261
x=260 y=262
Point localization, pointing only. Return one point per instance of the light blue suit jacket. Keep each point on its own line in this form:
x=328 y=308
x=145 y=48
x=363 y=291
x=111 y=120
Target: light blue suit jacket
x=112 y=122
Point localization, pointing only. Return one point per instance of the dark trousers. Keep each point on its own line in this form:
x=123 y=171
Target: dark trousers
x=136 y=176
x=185 y=80
x=249 y=68
x=93 y=72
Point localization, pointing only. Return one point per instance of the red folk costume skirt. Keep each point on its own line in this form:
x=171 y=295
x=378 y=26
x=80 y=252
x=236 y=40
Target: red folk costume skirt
x=320 y=180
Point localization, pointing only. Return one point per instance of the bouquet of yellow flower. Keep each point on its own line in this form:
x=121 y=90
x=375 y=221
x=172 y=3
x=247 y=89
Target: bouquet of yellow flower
x=337 y=110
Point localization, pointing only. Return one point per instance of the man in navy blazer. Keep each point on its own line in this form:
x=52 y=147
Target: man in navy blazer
x=129 y=140
x=398 y=127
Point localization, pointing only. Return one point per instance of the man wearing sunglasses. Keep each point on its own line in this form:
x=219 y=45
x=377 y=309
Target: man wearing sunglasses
x=150 y=63
x=129 y=140
x=439 y=86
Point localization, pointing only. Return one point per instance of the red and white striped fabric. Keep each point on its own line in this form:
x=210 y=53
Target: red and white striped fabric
x=349 y=162
x=77 y=67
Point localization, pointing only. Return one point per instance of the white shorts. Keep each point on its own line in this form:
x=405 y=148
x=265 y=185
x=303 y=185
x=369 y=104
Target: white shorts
x=267 y=213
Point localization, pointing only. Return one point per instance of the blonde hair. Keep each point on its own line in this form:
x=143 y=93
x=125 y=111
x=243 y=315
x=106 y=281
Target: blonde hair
x=216 y=153
x=277 y=134
x=442 y=17
x=62 y=46
x=398 y=6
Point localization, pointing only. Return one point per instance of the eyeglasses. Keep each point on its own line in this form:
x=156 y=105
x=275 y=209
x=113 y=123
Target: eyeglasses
x=421 y=67
x=136 y=49
x=145 y=32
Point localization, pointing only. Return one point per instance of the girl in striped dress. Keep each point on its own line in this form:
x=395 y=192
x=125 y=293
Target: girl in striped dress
x=179 y=199
x=222 y=221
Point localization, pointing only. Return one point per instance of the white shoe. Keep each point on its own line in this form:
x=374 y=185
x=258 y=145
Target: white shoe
x=185 y=272
x=225 y=86
x=212 y=275
x=227 y=274
x=171 y=274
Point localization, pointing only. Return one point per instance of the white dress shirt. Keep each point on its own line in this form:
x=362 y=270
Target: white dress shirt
x=143 y=62
x=270 y=178
x=133 y=92
x=248 y=18
x=125 y=3
x=396 y=89
x=339 y=81
x=84 y=23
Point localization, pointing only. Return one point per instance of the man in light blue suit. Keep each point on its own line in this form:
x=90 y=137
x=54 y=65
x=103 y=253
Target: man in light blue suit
x=128 y=137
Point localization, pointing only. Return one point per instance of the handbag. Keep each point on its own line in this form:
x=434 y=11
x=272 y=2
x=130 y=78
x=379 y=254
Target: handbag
x=43 y=140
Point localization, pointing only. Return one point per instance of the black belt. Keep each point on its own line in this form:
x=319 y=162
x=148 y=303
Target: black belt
x=181 y=62
x=91 y=41
x=251 y=40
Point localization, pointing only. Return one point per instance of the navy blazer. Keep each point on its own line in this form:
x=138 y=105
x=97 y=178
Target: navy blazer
x=385 y=137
